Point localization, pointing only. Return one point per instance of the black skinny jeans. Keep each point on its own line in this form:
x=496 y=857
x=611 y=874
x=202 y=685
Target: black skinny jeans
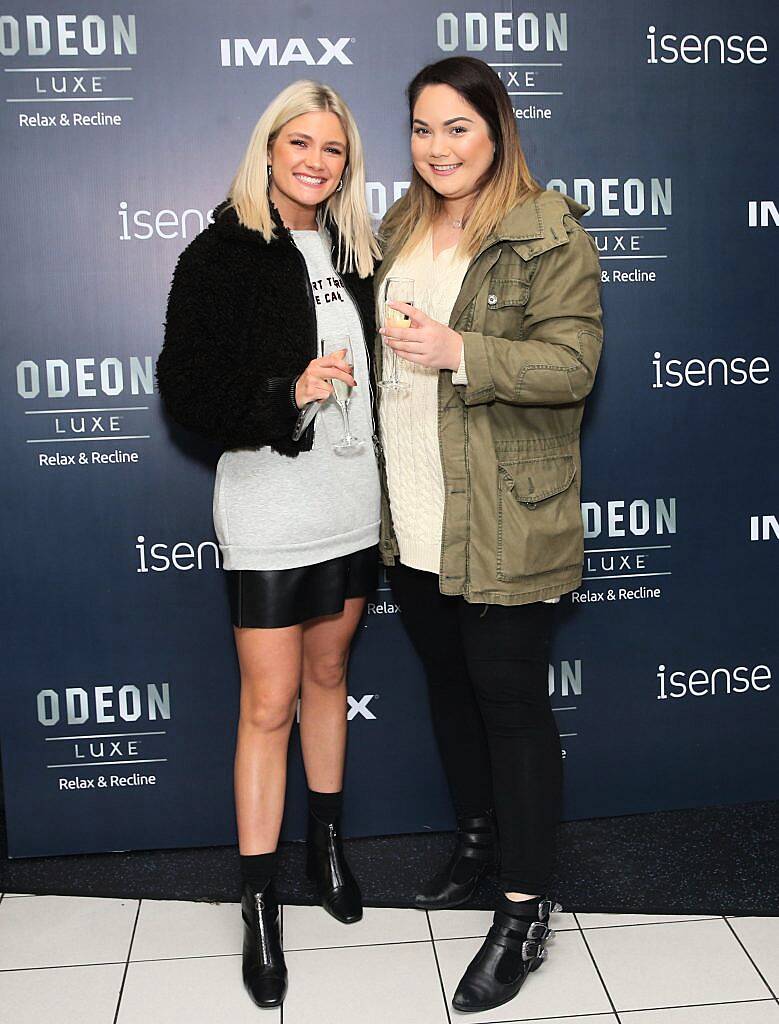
x=487 y=672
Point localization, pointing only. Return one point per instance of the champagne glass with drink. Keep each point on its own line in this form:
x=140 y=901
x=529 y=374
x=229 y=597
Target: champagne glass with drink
x=396 y=289
x=342 y=392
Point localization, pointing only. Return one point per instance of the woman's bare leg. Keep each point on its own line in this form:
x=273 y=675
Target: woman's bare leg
x=270 y=661
x=326 y=644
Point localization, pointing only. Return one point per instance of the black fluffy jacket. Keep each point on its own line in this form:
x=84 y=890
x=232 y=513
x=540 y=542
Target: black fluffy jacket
x=240 y=328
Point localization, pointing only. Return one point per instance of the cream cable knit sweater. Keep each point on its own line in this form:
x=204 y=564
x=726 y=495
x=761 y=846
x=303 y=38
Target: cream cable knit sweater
x=408 y=420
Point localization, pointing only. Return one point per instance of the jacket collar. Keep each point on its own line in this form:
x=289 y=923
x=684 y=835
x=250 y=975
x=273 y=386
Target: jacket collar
x=536 y=224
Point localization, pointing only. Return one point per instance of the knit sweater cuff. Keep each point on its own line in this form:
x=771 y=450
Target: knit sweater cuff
x=459 y=376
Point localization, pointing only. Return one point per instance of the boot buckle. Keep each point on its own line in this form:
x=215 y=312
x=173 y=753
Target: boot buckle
x=539 y=932
x=548 y=907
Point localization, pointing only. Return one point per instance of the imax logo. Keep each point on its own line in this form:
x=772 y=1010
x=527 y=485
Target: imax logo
x=763 y=528
x=235 y=53
x=763 y=214
x=502 y=31
x=360 y=707
x=71 y=35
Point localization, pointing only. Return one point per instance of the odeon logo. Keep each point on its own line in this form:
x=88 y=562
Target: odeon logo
x=502 y=31
x=616 y=197
x=565 y=679
x=38 y=41
x=237 y=53
x=637 y=518
x=101 y=705
x=710 y=49
x=85 y=377
x=37 y=35
x=676 y=684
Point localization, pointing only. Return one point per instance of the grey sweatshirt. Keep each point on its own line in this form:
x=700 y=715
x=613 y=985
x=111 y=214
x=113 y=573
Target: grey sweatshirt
x=273 y=512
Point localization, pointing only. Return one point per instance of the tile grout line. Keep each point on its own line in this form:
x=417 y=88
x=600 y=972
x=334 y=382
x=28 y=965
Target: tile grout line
x=438 y=967
x=597 y=969
x=643 y=924
x=760 y=973
x=696 y=1006
x=283 y=953
x=127 y=962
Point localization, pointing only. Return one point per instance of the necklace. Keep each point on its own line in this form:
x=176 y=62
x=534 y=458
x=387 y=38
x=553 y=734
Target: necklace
x=455 y=223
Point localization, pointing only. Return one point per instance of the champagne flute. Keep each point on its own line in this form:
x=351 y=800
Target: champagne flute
x=342 y=392
x=396 y=289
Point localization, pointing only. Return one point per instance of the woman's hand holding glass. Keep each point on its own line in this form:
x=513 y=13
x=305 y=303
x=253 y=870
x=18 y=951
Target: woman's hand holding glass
x=314 y=382
x=426 y=341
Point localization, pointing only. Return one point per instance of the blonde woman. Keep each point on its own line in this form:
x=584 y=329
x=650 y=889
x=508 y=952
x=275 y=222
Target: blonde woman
x=483 y=478
x=287 y=262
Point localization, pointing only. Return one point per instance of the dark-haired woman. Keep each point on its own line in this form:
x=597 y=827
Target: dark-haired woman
x=484 y=528
x=288 y=261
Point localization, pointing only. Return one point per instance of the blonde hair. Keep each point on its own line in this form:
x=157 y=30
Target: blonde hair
x=347 y=209
x=510 y=181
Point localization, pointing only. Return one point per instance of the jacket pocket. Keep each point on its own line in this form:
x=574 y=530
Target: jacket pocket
x=505 y=292
x=539 y=516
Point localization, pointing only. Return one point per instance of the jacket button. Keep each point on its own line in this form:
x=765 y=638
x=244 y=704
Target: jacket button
x=492 y=300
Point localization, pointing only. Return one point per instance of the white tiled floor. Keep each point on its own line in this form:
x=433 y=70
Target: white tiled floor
x=77 y=960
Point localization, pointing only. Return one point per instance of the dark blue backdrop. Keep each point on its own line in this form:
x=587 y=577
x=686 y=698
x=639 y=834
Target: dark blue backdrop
x=120 y=131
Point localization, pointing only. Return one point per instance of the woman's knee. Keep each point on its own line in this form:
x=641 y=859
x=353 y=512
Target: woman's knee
x=327 y=671
x=267 y=712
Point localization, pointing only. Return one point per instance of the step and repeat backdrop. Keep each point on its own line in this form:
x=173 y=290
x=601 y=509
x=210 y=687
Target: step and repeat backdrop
x=121 y=128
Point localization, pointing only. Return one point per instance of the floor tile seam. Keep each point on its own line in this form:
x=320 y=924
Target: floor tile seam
x=567 y=1016
x=438 y=967
x=62 y=967
x=127 y=962
x=361 y=945
x=749 y=957
x=597 y=969
x=642 y=924
x=692 y=1006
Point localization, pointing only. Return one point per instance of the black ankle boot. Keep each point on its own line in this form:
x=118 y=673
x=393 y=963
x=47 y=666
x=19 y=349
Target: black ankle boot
x=327 y=868
x=264 y=970
x=513 y=948
x=476 y=853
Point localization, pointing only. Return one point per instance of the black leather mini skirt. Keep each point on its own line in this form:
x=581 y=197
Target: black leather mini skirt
x=271 y=598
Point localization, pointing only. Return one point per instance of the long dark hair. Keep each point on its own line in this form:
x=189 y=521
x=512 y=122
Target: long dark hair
x=509 y=180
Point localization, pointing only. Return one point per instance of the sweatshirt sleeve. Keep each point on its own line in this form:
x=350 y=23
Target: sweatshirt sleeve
x=205 y=380
x=554 y=362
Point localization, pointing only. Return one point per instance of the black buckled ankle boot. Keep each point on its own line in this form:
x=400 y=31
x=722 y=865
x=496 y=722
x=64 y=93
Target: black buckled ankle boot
x=513 y=948
x=476 y=853
x=264 y=969
x=327 y=868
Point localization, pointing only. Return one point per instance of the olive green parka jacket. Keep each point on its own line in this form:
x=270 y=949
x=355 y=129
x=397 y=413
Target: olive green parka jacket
x=530 y=317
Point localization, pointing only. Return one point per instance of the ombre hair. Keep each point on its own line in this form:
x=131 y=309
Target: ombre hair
x=347 y=209
x=508 y=183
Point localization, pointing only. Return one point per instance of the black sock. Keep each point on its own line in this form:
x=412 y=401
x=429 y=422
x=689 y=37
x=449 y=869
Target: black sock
x=258 y=869
x=527 y=910
x=326 y=807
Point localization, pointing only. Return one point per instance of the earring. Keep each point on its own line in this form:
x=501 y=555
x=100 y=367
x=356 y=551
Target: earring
x=270 y=171
x=339 y=186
